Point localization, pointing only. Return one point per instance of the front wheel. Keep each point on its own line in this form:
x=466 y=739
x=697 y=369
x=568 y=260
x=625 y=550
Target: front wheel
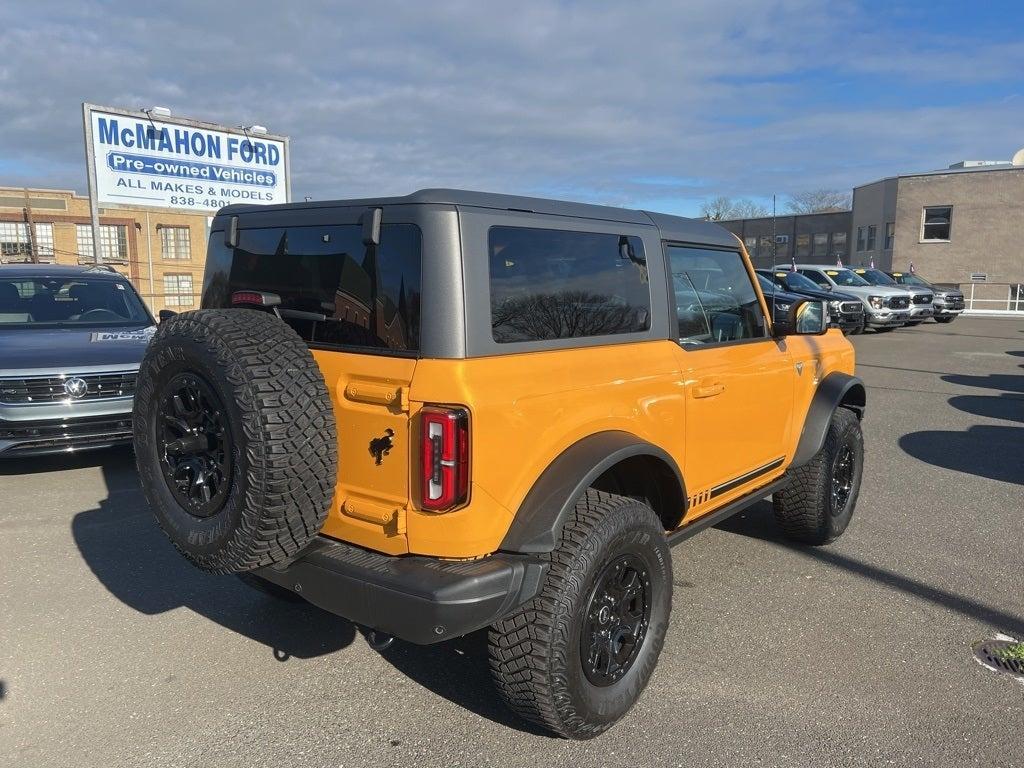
x=576 y=658
x=945 y=319
x=915 y=322
x=817 y=504
x=886 y=328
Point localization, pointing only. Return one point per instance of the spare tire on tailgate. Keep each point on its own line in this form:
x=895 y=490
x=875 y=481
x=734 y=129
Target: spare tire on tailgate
x=235 y=438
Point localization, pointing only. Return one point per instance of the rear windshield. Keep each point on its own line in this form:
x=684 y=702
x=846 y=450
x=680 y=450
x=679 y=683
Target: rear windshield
x=31 y=302
x=555 y=284
x=334 y=291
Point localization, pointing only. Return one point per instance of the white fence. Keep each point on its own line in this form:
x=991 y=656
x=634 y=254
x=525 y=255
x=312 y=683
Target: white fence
x=993 y=298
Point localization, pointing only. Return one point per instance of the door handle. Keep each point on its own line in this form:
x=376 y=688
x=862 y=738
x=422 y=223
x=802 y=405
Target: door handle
x=709 y=389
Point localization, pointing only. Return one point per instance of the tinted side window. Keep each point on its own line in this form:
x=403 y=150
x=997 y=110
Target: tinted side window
x=555 y=284
x=334 y=291
x=715 y=299
x=817 y=277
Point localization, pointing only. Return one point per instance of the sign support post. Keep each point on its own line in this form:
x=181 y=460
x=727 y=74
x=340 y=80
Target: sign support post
x=90 y=165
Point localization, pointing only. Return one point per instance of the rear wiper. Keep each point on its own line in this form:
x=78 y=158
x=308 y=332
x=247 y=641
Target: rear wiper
x=299 y=314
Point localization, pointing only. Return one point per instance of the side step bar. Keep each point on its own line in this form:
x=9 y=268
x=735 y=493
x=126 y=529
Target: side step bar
x=730 y=509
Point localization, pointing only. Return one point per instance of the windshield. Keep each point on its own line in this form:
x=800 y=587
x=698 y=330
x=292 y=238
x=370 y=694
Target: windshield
x=845 y=277
x=767 y=286
x=912 y=280
x=876 y=277
x=797 y=282
x=31 y=302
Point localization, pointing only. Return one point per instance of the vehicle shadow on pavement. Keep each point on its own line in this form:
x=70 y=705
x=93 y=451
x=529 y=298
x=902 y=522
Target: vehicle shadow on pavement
x=123 y=546
x=1006 y=405
x=758 y=523
x=984 y=450
x=1003 y=382
x=458 y=670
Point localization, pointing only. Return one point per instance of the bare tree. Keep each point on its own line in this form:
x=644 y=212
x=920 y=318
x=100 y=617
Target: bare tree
x=820 y=201
x=748 y=209
x=723 y=207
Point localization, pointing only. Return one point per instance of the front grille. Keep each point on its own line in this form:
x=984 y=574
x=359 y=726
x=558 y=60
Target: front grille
x=851 y=308
x=50 y=389
x=955 y=301
x=899 y=302
x=73 y=433
x=923 y=298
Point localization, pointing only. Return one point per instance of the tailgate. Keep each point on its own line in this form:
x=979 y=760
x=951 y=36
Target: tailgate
x=370 y=394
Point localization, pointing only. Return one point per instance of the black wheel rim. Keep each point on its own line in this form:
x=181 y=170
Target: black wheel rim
x=195 y=445
x=616 y=621
x=842 y=479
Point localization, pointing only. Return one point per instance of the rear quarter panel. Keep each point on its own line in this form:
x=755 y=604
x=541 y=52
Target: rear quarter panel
x=525 y=409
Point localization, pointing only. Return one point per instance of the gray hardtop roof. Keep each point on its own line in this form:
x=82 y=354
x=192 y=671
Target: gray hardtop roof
x=8 y=271
x=672 y=227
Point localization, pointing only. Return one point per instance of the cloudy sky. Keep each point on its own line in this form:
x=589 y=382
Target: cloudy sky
x=649 y=104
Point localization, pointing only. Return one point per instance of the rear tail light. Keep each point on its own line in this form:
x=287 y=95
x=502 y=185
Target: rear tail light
x=445 y=458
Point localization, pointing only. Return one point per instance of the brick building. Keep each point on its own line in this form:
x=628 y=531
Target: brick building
x=956 y=225
x=809 y=237
x=162 y=252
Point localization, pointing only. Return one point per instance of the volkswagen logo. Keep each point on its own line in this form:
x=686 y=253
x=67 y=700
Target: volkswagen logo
x=76 y=387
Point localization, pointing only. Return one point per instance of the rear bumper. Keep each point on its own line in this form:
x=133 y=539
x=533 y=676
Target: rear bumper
x=420 y=599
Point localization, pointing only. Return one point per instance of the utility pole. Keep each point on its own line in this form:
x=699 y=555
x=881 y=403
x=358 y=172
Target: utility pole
x=30 y=230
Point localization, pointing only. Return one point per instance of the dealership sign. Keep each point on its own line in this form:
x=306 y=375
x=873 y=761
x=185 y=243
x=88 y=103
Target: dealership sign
x=139 y=159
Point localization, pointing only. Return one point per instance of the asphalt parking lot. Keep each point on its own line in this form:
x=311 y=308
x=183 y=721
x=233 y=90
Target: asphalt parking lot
x=115 y=652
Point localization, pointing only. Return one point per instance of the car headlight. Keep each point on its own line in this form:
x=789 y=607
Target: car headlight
x=878 y=302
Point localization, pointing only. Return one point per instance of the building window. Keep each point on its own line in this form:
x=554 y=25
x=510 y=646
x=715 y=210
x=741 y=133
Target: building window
x=178 y=291
x=890 y=234
x=820 y=243
x=113 y=242
x=860 y=239
x=16 y=246
x=175 y=243
x=803 y=246
x=872 y=232
x=936 y=224
x=839 y=244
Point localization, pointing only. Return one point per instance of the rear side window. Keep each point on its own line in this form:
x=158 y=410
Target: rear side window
x=334 y=291
x=555 y=284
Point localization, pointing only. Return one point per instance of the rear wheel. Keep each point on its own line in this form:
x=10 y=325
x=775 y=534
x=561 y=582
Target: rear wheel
x=577 y=657
x=818 y=502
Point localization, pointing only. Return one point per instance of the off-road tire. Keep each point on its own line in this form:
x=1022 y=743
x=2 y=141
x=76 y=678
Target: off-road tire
x=535 y=654
x=281 y=426
x=945 y=319
x=804 y=509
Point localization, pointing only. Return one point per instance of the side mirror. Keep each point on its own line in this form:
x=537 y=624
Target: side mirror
x=806 y=317
x=166 y=314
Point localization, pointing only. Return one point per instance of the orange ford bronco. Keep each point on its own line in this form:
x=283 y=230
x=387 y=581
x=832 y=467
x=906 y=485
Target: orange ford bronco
x=456 y=410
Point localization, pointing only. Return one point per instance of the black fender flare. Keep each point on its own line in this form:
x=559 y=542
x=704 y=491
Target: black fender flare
x=835 y=390
x=539 y=519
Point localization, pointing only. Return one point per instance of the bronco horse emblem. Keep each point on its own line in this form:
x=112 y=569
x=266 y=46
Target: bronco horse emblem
x=381 y=446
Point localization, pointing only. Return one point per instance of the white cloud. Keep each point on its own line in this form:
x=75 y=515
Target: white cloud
x=591 y=98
